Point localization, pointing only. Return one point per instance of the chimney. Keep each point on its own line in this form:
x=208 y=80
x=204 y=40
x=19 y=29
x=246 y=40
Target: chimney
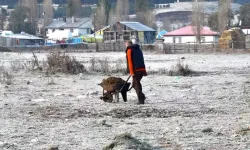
x=73 y=19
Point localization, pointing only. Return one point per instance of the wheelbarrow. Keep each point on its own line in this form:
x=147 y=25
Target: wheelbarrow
x=113 y=90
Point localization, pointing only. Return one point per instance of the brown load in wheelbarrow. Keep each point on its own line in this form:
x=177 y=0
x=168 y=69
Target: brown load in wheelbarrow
x=114 y=86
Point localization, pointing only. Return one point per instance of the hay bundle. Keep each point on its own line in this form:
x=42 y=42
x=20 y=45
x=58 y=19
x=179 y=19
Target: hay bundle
x=233 y=38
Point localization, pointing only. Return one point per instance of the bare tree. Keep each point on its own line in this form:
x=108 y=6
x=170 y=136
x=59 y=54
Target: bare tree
x=120 y=13
x=122 y=9
x=166 y=24
x=74 y=8
x=113 y=17
x=101 y=16
x=32 y=12
x=198 y=18
x=32 y=5
x=143 y=13
x=224 y=14
x=3 y=17
x=48 y=12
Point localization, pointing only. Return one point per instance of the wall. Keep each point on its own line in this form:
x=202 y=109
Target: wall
x=83 y=31
x=248 y=41
x=59 y=34
x=186 y=39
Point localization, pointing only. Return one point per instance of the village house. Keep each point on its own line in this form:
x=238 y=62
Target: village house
x=121 y=31
x=8 y=39
x=187 y=35
x=68 y=28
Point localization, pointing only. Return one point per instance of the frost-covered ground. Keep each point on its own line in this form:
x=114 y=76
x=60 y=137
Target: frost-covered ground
x=65 y=110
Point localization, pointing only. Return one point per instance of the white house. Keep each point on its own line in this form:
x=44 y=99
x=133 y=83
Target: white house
x=187 y=34
x=73 y=27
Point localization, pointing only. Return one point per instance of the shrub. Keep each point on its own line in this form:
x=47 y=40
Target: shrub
x=61 y=62
x=180 y=70
x=5 y=76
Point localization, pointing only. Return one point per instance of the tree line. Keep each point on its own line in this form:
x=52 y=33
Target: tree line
x=27 y=13
x=12 y=3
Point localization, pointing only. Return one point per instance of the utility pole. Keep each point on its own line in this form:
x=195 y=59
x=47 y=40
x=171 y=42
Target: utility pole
x=44 y=30
x=94 y=24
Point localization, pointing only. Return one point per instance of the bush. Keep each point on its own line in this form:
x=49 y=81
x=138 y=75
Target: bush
x=5 y=49
x=5 y=76
x=104 y=65
x=120 y=67
x=61 y=62
x=180 y=70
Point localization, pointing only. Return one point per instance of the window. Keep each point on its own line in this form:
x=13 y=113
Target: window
x=179 y=40
x=203 y=39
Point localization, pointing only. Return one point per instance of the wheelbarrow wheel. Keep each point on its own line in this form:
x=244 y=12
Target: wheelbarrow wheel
x=107 y=97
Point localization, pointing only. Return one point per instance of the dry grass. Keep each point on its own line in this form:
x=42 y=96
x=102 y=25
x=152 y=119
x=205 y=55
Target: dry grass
x=127 y=141
x=246 y=94
x=104 y=66
x=120 y=66
x=93 y=65
x=5 y=76
x=63 y=63
x=180 y=70
x=4 y=49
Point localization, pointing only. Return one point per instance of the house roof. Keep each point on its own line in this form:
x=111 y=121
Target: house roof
x=78 y=23
x=24 y=36
x=56 y=24
x=161 y=33
x=188 y=31
x=137 y=26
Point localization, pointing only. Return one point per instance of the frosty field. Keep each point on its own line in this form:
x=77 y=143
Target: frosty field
x=210 y=110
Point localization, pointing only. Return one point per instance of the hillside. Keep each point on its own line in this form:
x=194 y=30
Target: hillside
x=209 y=7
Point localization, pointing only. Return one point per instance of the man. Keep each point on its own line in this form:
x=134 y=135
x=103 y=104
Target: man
x=136 y=67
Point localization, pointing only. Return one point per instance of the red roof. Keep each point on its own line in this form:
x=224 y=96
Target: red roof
x=188 y=31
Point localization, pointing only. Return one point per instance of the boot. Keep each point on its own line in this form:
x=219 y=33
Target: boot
x=141 y=99
x=124 y=96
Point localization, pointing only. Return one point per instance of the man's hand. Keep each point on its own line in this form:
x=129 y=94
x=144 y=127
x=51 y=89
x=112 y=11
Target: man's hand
x=132 y=75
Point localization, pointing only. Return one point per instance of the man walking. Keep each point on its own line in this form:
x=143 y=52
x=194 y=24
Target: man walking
x=136 y=67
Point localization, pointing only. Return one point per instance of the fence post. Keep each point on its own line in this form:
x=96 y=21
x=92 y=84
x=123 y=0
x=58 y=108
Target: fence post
x=233 y=45
x=174 y=48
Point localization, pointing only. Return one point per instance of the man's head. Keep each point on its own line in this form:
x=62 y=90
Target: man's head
x=128 y=43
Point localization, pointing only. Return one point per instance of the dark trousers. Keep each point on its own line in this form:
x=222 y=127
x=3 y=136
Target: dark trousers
x=137 y=86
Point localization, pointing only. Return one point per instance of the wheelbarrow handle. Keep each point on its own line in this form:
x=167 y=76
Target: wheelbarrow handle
x=124 y=83
x=128 y=78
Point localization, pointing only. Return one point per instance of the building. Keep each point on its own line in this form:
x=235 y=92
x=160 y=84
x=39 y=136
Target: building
x=187 y=34
x=71 y=27
x=19 y=40
x=127 y=30
x=161 y=34
x=101 y=31
x=180 y=14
